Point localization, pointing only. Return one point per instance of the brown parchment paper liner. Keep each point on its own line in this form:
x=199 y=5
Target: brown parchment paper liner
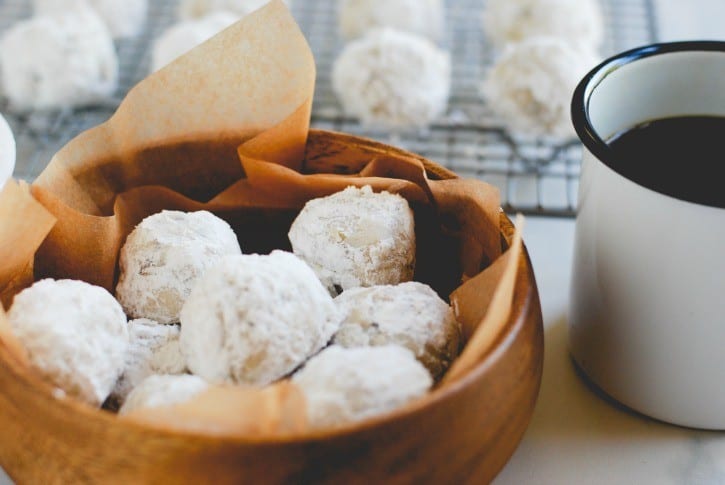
x=225 y=129
x=483 y=305
x=256 y=74
x=24 y=223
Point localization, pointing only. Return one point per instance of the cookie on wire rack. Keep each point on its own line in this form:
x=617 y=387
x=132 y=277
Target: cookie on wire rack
x=187 y=34
x=57 y=61
x=422 y=17
x=392 y=78
x=123 y=18
x=578 y=22
x=531 y=82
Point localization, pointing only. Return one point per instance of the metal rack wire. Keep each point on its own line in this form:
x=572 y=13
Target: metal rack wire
x=535 y=175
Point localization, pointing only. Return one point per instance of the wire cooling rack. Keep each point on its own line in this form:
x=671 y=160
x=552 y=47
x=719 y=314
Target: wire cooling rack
x=535 y=175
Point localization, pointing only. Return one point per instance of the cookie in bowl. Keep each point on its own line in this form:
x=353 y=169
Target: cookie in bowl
x=347 y=385
x=75 y=335
x=163 y=257
x=253 y=319
x=408 y=314
x=153 y=349
x=356 y=238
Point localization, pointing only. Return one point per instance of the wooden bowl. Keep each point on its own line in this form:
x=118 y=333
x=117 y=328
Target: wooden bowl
x=464 y=432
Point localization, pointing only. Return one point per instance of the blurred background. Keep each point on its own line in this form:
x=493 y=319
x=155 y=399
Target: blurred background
x=536 y=174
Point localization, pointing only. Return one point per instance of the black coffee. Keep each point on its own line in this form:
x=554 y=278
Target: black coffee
x=682 y=157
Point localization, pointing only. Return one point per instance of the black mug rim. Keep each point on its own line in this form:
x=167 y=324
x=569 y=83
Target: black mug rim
x=580 y=99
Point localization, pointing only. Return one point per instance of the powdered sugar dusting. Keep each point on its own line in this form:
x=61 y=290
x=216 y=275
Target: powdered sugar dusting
x=153 y=349
x=62 y=60
x=421 y=17
x=253 y=319
x=409 y=314
x=163 y=257
x=163 y=390
x=75 y=334
x=345 y=385
x=577 y=22
x=530 y=85
x=356 y=238
x=392 y=78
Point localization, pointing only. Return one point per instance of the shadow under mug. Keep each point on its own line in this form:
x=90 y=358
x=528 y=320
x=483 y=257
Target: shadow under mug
x=647 y=314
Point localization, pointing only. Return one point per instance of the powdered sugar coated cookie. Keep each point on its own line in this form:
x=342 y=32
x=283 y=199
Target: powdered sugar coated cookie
x=578 y=22
x=422 y=17
x=531 y=83
x=253 y=319
x=356 y=237
x=346 y=385
x=75 y=334
x=162 y=258
x=163 y=390
x=153 y=349
x=123 y=18
x=409 y=314
x=392 y=78
x=187 y=34
x=58 y=61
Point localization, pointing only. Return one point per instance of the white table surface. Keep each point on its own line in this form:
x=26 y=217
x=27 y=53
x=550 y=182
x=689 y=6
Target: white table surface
x=576 y=436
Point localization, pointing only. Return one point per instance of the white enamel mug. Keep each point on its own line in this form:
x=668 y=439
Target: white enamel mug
x=647 y=315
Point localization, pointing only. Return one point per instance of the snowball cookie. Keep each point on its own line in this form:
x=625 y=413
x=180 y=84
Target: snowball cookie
x=578 y=22
x=184 y=36
x=7 y=151
x=392 y=78
x=531 y=84
x=423 y=17
x=356 y=237
x=58 y=61
x=409 y=314
x=75 y=334
x=343 y=385
x=194 y=9
x=153 y=349
x=253 y=319
x=123 y=18
x=163 y=390
x=163 y=257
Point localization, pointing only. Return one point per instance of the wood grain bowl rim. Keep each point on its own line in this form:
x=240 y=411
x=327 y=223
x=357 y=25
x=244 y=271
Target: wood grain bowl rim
x=525 y=282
